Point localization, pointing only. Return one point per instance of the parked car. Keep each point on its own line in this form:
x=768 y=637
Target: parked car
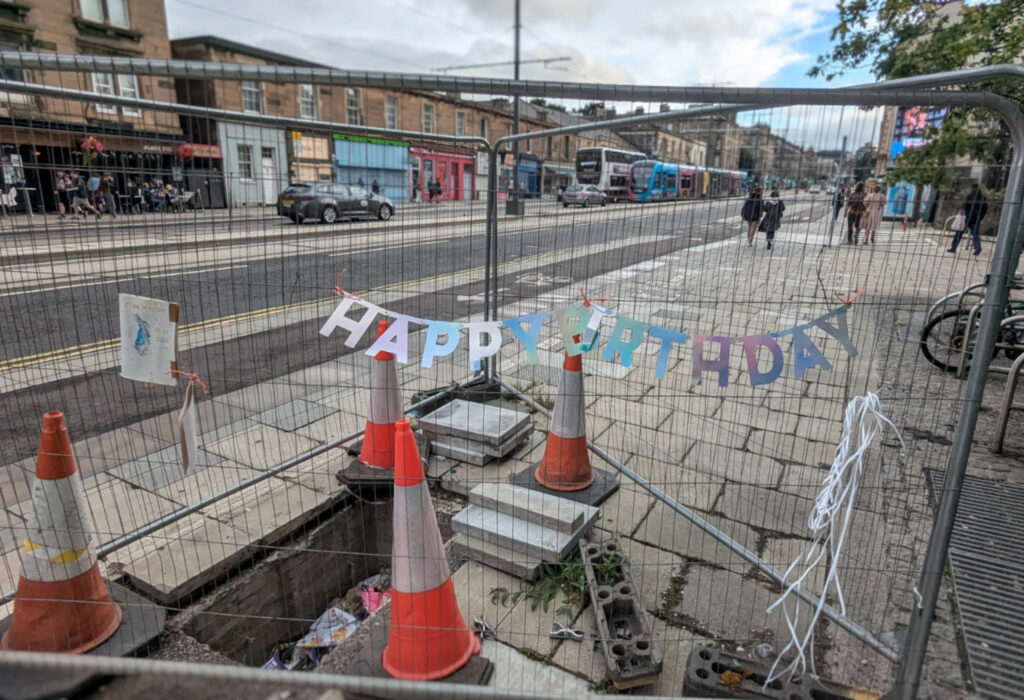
x=815 y=189
x=583 y=195
x=329 y=202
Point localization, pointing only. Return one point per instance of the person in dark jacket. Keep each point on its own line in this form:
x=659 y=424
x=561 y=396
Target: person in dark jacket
x=772 y=219
x=974 y=208
x=854 y=211
x=375 y=186
x=751 y=213
x=837 y=202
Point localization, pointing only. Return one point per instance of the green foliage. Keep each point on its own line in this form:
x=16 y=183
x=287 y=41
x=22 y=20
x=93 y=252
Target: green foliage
x=541 y=102
x=568 y=578
x=904 y=38
x=609 y=569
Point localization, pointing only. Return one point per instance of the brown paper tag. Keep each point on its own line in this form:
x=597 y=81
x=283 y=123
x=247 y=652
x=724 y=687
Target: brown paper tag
x=187 y=431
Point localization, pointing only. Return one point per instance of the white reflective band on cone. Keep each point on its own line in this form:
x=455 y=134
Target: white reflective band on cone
x=58 y=545
x=385 y=397
x=568 y=418
x=418 y=563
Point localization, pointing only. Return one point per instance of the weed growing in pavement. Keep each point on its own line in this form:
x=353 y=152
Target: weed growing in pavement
x=608 y=570
x=568 y=578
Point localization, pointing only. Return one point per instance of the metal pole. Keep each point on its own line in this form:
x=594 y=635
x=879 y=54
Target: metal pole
x=835 y=195
x=515 y=116
x=908 y=674
x=830 y=612
x=491 y=240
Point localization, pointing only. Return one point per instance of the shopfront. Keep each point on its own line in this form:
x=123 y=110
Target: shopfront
x=557 y=176
x=310 y=157
x=255 y=162
x=454 y=168
x=361 y=160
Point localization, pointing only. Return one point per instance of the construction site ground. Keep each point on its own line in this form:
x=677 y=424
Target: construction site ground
x=750 y=460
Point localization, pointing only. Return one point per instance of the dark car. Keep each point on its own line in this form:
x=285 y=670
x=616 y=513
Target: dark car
x=330 y=202
x=583 y=195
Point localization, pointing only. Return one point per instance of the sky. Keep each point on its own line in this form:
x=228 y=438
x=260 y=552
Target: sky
x=752 y=43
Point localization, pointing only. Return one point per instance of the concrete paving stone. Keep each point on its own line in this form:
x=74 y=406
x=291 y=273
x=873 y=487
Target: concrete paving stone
x=10 y=571
x=13 y=529
x=675 y=646
x=652 y=570
x=639 y=412
x=292 y=415
x=583 y=659
x=819 y=429
x=692 y=489
x=781 y=553
x=527 y=629
x=331 y=427
x=828 y=409
x=827 y=390
x=473 y=583
x=260 y=447
x=16 y=482
x=806 y=482
x=262 y=396
x=790 y=448
x=544 y=509
x=708 y=429
x=625 y=509
x=623 y=439
x=102 y=452
x=733 y=465
x=332 y=373
x=158 y=469
x=756 y=417
x=206 y=481
x=115 y=507
x=733 y=607
x=518 y=673
x=666 y=529
x=355 y=401
x=766 y=509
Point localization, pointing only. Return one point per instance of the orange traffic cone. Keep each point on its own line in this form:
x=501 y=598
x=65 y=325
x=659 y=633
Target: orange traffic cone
x=566 y=462
x=385 y=408
x=428 y=638
x=62 y=604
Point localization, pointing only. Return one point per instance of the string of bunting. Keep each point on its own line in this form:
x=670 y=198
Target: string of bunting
x=582 y=320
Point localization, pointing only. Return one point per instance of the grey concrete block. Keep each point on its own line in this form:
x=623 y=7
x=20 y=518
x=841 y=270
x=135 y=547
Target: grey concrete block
x=543 y=509
x=487 y=423
x=516 y=534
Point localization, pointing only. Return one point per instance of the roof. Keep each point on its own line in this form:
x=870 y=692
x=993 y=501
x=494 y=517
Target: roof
x=238 y=47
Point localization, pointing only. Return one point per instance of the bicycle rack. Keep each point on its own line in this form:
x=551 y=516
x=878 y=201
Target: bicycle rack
x=959 y=300
x=1008 y=391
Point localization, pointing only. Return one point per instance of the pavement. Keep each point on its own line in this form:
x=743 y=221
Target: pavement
x=749 y=459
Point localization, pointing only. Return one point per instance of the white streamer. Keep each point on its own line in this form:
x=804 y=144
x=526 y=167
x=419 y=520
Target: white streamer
x=863 y=420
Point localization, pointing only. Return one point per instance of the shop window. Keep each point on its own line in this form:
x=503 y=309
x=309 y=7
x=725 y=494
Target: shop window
x=112 y=12
x=428 y=119
x=352 y=106
x=307 y=101
x=391 y=112
x=460 y=123
x=245 y=171
x=252 y=98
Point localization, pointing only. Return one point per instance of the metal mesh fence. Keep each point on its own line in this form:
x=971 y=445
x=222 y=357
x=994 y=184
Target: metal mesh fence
x=717 y=442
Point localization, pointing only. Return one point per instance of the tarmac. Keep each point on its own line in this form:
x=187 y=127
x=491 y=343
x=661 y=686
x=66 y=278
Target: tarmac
x=748 y=459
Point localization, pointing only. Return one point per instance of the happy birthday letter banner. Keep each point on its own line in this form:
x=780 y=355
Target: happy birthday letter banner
x=580 y=325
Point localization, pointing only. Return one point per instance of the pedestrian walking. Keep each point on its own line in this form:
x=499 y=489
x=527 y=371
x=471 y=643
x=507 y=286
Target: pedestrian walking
x=58 y=192
x=416 y=196
x=974 y=209
x=751 y=213
x=874 y=203
x=375 y=186
x=854 y=212
x=772 y=219
x=81 y=196
x=107 y=188
x=838 y=200
x=362 y=185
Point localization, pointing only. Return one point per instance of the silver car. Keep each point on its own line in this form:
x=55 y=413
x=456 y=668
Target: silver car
x=583 y=195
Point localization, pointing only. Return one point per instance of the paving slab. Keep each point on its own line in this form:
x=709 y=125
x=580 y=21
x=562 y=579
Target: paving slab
x=158 y=469
x=791 y=448
x=516 y=672
x=517 y=534
x=733 y=465
x=473 y=583
x=806 y=482
x=260 y=447
x=527 y=628
x=495 y=556
x=652 y=570
x=294 y=414
x=483 y=422
x=668 y=530
x=819 y=429
x=547 y=510
x=766 y=509
x=625 y=509
x=742 y=413
x=13 y=529
x=206 y=481
x=781 y=553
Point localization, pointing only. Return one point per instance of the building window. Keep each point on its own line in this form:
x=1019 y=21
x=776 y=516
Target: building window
x=460 y=123
x=307 y=101
x=485 y=129
x=428 y=119
x=103 y=84
x=352 y=106
x=391 y=112
x=112 y=12
x=252 y=98
x=508 y=130
x=245 y=161
x=128 y=86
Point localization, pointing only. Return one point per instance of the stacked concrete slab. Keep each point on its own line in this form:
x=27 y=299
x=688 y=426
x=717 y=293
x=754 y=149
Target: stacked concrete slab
x=514 y=529
x=476 y=433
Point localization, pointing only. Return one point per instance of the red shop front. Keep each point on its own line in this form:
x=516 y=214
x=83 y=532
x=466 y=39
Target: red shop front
x=453 y=167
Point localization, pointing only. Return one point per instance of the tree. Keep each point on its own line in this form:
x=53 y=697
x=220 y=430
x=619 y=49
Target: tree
x=541 y=102
x=592 y=108
x=903 y=38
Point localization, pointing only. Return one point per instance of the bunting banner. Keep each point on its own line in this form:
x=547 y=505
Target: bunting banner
x=581 y=325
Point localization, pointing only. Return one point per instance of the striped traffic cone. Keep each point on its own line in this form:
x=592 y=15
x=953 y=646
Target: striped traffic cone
x=566 y=462
x=429 y=638
x=62 y=604
x=385 y=409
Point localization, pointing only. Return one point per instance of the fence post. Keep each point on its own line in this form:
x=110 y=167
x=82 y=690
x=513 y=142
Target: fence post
x=490 y=250
x=908 y=673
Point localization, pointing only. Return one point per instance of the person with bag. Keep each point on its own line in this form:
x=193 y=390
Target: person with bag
x=854 y=212
x=772 y=219
x=973 y=211
x=874 y=203
x=751 y=213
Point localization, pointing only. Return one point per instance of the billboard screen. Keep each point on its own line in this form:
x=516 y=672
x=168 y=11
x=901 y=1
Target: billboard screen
x=911 y=128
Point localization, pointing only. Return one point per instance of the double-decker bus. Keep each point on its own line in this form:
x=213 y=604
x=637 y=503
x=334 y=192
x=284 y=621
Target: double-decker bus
x=608 y=168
